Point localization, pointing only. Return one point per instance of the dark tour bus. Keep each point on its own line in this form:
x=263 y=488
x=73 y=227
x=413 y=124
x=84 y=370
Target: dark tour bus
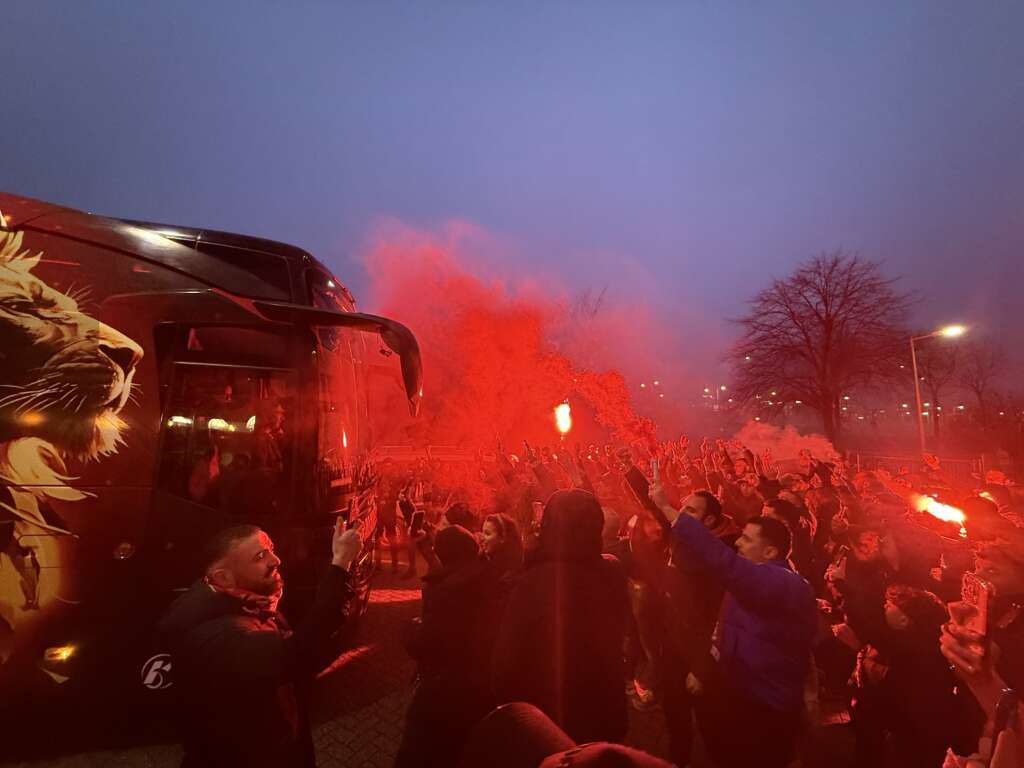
x=160 y=383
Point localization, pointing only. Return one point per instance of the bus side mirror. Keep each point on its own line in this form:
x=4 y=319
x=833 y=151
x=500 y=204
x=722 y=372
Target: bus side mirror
x=395 y=335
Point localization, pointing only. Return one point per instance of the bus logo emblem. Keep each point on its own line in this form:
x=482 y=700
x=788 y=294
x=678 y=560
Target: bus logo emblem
x=156 y=673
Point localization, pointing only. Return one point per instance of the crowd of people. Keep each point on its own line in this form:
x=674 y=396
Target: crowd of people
x=753 y=601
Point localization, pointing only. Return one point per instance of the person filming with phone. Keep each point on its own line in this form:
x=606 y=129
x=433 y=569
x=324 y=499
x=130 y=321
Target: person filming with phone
x=984 y=643
x=241 y=673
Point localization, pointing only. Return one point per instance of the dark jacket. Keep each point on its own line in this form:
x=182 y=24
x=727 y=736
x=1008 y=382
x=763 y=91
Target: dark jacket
x=560 y=642
x=768 y=619
x=241 y=678
x=692 y=605
x=452 y=646
x=914 y=701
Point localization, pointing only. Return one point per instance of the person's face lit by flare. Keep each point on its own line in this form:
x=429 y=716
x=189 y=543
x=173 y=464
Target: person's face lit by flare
x=751 y=546
x=490 y=538
x=865 y=546
x=250 y=565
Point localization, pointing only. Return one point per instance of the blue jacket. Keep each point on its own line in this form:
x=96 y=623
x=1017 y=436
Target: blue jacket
x=768 y=618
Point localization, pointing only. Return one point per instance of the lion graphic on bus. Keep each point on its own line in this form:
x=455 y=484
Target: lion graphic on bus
x=64 y=379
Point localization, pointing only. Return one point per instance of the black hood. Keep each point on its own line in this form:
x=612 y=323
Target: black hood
x=197 y=606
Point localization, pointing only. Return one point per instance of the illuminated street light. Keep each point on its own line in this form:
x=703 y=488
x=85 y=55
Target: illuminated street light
x=949 y=332
x=722 y=387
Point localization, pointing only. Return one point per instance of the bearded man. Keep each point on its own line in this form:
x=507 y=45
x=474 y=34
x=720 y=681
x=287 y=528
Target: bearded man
x=241 y=674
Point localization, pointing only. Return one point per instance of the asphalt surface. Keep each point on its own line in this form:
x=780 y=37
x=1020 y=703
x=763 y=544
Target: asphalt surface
x=359 y=702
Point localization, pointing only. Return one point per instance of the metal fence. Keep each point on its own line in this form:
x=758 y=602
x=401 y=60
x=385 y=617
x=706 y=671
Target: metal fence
x=961 y=470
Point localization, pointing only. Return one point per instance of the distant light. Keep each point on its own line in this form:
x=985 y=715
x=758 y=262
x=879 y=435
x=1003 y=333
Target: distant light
x=798 y=402
x=845 y=408
x=730 y=399
x=770 y=403
x=59 y=653
x=642 y=385
x=924 y=413
x=961 y=407
x=774 y=393
x=927 y=405
x=661 y=394
x=706 y=390
x=757 y=418
x=747 y=358
x=218 y=425
x=250 y=424
x=722 y=387
x=860 y=418
x=846 y=397
x=952 y=331
x=905 y=405
x=179 y=421
x=1002 y=413
x=32 y=418
x=344 y=439
x=938 y=408
x=656 y=382
x=330 y=284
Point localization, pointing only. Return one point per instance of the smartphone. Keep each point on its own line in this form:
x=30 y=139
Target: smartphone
x=416 y=526
x=538 y=512
x=977 y=593
x=1006 y=708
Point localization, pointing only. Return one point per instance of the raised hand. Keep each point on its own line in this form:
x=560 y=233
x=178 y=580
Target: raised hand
x=345 y=546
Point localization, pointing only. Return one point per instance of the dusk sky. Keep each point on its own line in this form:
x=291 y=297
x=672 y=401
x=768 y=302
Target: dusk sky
x=680 y=152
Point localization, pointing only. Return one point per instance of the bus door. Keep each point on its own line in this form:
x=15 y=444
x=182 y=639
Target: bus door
x=231 y=444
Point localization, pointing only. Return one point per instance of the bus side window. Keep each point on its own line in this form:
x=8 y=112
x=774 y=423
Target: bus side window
x=227 y=442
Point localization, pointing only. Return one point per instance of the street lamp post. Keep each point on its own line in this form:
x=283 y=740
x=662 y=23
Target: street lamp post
x=949 y=331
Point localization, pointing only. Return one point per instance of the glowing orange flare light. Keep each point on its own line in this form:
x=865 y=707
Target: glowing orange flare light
x=563 y=418
x=943 y=512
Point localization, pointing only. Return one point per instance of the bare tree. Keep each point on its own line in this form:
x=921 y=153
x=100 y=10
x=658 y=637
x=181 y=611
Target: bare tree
x=939 y=366
x=836 y=323
x=983 y=365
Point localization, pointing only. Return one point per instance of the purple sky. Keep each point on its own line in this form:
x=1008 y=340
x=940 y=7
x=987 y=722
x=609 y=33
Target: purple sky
x=703 y=145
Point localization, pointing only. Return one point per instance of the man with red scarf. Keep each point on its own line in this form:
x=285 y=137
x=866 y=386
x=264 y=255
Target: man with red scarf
x=241 y=674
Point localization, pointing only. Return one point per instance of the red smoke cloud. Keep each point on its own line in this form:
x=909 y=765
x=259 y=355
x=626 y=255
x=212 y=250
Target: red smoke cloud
x=499 y=353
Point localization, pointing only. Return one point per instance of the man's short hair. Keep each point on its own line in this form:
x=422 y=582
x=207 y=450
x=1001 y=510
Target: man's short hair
x=218 y=547
x=712 y=506
x=775 y=533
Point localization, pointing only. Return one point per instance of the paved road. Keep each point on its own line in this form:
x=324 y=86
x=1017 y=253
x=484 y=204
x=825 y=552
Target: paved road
x=359 y=703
